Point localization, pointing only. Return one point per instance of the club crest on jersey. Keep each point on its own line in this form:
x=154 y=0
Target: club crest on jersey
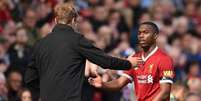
x=150 y=68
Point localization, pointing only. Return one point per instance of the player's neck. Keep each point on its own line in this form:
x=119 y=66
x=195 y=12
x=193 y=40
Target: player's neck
x=148 y=50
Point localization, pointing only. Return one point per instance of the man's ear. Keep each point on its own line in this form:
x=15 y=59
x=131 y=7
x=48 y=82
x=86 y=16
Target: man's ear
x=55 y=20
x=73 y=21
x=156 y=36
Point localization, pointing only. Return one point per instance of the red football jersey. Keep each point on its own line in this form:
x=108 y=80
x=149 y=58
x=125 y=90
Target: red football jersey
x=157 y=68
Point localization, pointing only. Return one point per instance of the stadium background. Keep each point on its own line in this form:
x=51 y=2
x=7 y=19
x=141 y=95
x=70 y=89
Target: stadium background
x=112 y=26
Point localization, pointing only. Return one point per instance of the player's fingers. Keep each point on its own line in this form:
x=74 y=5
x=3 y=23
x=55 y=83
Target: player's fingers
x=140 y=61
x=132 y=59
x=139 y=58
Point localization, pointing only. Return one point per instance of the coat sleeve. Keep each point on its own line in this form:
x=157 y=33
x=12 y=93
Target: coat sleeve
x=31 y=74
x=97 y=56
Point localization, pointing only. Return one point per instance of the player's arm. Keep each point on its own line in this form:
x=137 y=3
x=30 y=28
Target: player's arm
x=166 y=79
x=113 y=85
x=164 y=93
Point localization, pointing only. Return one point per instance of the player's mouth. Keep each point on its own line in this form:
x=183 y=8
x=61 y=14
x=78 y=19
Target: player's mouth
x=142 y=41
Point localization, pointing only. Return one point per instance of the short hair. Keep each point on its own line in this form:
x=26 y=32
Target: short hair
x=65 y=12
x=21 y=91
x=153 y=25
x=10 y=72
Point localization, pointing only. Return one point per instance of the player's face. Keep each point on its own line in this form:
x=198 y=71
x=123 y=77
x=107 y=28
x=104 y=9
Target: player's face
x=146 y=36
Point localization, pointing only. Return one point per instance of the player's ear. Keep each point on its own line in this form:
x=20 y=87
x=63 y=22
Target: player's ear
x=155 y=36
x=55 y=20
x=74 y=21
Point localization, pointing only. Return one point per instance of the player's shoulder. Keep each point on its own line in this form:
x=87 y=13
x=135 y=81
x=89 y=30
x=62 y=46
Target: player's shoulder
x=163 y=55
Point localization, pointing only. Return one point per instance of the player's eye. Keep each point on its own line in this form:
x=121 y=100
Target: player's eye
x=146 y=32
x=139 y=33
x=143 y=32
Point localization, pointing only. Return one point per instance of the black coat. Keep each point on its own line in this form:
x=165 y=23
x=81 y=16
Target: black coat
x=58 y=62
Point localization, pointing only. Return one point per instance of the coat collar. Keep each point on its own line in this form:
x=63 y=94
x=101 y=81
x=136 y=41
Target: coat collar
x=59 y=27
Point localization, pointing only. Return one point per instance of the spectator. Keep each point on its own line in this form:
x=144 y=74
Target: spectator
x=193 y=97
x=14 y=85
x=4 y=57
x=25 y=95
x=5 y=15
x=29 y=23
x=3 y=88
x=19 y=52
x=86 y=28
x=194 y=85
x=193 y=70
x=178 y=92
x=99 y=17
x=117 y=22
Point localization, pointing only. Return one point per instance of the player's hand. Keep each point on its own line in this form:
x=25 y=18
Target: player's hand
x=96 y=81
x=111 y=73
x=135 y=61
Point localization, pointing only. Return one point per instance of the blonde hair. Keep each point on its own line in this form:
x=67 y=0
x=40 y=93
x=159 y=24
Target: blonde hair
x=65 y=12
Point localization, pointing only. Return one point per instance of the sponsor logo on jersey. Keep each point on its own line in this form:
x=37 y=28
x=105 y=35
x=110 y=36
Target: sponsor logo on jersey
x=168 y=73
x=145 y=79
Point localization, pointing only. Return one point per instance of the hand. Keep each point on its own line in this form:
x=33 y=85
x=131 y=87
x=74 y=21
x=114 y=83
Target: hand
x=112 y=74
x=96 y=82
x=90 y=69
x=135 y=61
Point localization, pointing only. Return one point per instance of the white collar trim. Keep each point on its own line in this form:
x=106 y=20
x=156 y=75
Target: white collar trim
x=150 y=54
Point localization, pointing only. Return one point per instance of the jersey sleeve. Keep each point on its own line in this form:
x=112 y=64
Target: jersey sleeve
x=128 y=74
x=166 y=70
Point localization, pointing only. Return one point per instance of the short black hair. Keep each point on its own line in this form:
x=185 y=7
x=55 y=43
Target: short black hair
x=153 y=25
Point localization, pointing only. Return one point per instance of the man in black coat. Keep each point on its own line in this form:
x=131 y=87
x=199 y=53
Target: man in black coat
x=58 y=60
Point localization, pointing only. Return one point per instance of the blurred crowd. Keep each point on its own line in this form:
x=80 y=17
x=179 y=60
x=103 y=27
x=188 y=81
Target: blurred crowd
x=112 y=26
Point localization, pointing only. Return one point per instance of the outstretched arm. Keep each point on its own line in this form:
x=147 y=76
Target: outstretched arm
x=97 y=56
x=166 y=71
